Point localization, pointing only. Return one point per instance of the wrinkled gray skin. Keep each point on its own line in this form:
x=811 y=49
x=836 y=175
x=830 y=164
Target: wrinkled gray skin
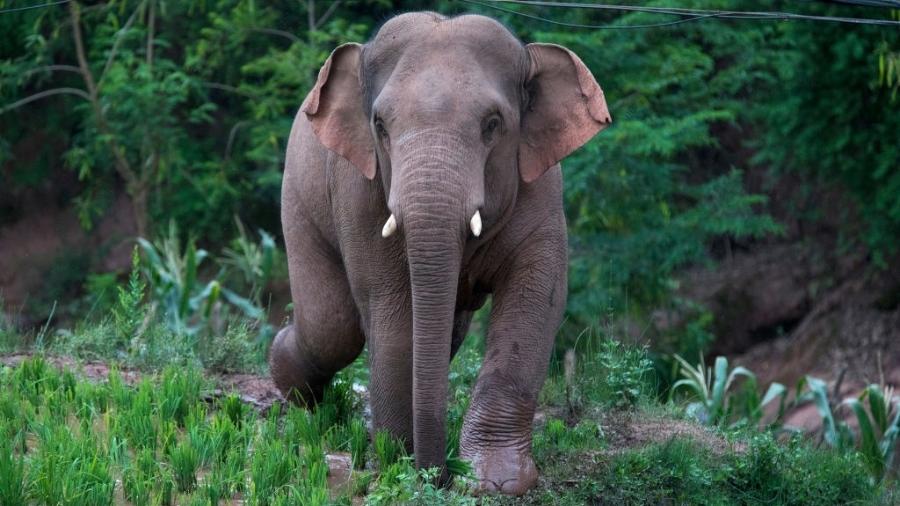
x=433 y=120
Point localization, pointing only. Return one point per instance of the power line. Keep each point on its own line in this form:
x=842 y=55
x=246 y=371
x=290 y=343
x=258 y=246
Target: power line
x=29 y=7
x=890 y=4
x=597 y=27
x=688 y=14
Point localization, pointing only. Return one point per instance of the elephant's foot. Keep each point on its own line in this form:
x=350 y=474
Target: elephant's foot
x=295 y=375
x=507 y=470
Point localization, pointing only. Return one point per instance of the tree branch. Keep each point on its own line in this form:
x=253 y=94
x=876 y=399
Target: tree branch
x=281 y=33
x=231 y=135
x=226 y=87
x=119 y=36
x=44 y=94
x=151 y=27
x=331 y=8
x=122 y=165
x=52 y=68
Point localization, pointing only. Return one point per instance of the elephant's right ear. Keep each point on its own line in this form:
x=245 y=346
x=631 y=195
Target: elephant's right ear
x=335 y=109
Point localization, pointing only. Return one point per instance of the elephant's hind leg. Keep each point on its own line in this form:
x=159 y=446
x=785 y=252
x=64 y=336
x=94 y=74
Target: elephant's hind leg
x=325 y=335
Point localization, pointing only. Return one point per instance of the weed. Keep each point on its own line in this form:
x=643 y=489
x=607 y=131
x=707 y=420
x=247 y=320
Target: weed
x=625 y=370
x=795 y=474
x=10 y=338
x=401 y=483
x=128 y=312
x=557 y=438
x=233 y=350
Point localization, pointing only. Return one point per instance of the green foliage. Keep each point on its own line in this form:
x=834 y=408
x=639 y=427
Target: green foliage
x=877 y=413
x=811 y=130
x=192 y=110
x=186 y=303
x=797 y=474
x=684 y=472
x=271 y=469
x=66 y=440
x=648 y=195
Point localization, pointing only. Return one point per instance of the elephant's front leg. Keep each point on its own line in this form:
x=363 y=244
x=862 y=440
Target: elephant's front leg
x=527 y=310
x=390 y=364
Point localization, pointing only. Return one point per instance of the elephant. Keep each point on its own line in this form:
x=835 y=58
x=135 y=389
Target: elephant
x=421 y=176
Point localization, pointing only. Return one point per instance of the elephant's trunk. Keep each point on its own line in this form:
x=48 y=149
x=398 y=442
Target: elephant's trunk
x=434 y=207
x=434 y=258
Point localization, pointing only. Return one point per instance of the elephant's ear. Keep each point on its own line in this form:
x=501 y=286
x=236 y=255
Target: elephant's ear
x=334 y=107
x=565 y=108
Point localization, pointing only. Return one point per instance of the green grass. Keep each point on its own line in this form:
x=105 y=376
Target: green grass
x=165 y=440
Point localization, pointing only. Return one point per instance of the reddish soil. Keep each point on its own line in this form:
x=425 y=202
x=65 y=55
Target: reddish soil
x=805 y=308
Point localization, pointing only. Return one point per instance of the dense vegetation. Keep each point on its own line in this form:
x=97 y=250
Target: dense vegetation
x=185 y=107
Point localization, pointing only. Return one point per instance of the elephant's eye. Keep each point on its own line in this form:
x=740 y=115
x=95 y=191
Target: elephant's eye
x=379 y=128
x=491 y=127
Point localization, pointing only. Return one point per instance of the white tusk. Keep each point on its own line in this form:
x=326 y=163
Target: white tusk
x=390 y=226
x=475 y=223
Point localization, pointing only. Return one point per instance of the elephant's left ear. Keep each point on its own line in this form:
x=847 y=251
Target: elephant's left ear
x=565 y=108
x=335 y=109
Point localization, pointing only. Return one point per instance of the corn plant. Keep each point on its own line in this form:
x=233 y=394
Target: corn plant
x=712 y=386
x=834 y=432
x=253 y=261
x=187 y=302
x=879 y=426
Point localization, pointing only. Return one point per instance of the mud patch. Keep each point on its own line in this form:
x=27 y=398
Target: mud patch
x=629 y=430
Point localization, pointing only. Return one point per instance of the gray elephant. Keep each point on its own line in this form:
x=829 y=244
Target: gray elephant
x=421 y=176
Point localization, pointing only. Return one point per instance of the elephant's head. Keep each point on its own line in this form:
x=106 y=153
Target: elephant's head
x=453 y=115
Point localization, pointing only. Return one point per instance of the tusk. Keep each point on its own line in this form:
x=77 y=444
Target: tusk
x=475 y=223
x=390 y=226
